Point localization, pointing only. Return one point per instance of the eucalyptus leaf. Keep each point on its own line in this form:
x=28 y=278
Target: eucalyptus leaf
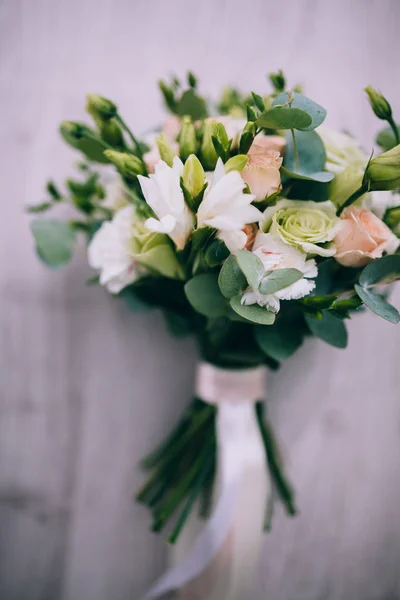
x=204 y=295
x=231 y=279
x=377 y=304
x=284 y=118
x=276 y=280
x=311 y=153
x=316 y=112
x=381 y=269
x=320 y=176
x=253 y=313
x=216 y=253
x=329 y=328
x=54 y=240
x=252 y=267
x=192 y=105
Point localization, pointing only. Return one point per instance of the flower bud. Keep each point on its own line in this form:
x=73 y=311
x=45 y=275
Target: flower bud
x=236 y=163
x=208 y=152
x=247 y=137
x=100 y=108
x=383 y=172
x=379 y=104
x=111 y=133
x=278 y=81
x=75 y=131
x=392 y=219
x=193 y=175
x=165 y=149
x=128 y=165
x=187 y=138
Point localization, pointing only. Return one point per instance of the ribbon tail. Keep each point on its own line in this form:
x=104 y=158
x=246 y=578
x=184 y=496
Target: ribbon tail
x=237 y=520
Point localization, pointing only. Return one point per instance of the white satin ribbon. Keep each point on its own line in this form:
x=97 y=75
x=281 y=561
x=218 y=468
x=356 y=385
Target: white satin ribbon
x=235 y=527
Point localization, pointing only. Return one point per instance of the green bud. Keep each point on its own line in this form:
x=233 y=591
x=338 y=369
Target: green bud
x=236 y=163
x=187 y=138
x=166 y=151
x=111 y=133
x=208 y=152
x=383 y=172
x=221 y=142
x=100 y=108
x=77 y=131
x=379 y=104
x=192 y=80
x=392 y=219
x=278 y=81
x=193 y=175
x=128 y=165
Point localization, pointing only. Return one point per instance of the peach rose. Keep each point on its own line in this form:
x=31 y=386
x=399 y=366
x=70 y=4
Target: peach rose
x=362 y=237
x=262 y=171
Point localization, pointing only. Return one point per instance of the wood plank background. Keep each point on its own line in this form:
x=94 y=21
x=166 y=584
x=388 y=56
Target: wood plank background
x=87 y=387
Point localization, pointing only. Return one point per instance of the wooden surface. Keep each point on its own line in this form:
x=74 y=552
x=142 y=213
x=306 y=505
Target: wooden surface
x=87 y=387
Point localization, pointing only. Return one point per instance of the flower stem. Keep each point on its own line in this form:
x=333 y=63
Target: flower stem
x=357 y=194
x=134 y=140
x=296 y=151
x=395 y=130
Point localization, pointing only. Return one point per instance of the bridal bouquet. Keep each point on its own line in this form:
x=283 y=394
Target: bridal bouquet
x=250 y=225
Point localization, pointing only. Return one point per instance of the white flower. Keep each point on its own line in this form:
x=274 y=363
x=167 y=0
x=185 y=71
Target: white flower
x=342 y=151
x=117 y=196
x=226 y=208
x=164 y=195
x=275 y=254
x=107 y=252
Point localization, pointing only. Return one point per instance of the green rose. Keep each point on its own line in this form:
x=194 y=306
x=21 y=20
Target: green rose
x=307 y=225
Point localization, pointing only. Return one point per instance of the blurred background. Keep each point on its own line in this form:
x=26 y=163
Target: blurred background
x=86 y=387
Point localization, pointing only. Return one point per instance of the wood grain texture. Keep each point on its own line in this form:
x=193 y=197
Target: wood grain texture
x=87 y=387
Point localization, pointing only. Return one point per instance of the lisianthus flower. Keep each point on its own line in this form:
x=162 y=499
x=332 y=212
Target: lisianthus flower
x=164 y=195
x=262 y=171
x=307 y=225
x=380 y=202
x=275 y=254
x=227 y=208
x=123 y=250
x=362 y=237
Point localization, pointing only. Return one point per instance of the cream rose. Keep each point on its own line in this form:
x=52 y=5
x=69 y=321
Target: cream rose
x=262 y=171
x=362 y=237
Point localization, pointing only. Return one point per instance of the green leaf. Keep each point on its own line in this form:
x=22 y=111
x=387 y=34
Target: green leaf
x=385 y=138
x=231 y=279
x=377 y=304
x=318 y=302
x=320 y=176
x=342 y=308
x=325 y=278
x=55 y=241
x=276 y=280
x=329 y=328
x=252 y=267
x=204 y=295
x=39 y=208
x=258 y=101
x=312 y=153
x=284 y=118
x=133 y=302
x=216 y=253
x=279 y=341
x=253 y=313
x=381 y=269
x=315 y=112
x=192 y=105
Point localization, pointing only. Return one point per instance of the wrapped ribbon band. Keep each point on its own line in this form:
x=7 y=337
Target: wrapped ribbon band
x=243 y=485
